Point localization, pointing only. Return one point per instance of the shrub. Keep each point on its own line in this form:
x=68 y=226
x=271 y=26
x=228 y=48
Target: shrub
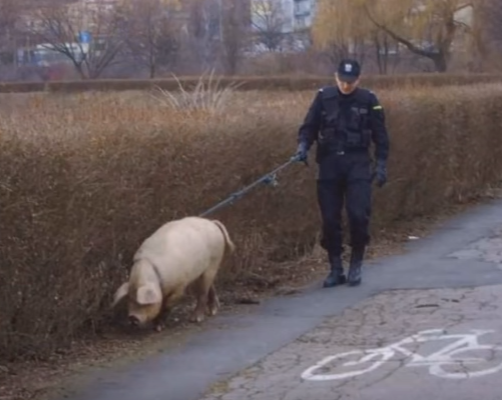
x=246 y=83
x=207 y=95
x=85 y=178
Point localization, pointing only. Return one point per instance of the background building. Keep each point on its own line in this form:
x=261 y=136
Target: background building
x=281 y=25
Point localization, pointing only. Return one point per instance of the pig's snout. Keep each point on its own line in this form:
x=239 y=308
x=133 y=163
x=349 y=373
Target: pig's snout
x=133 y=320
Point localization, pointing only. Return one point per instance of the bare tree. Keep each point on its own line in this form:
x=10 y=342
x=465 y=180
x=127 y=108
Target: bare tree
x=493 y=16
x=386 y=51
x=205 y=30
x=152 y=33
x=60 y=29
x=9 y=16
x=269 y=22
x=234 y=34
x=428 y=31
x=338 y=31
x=488 y=27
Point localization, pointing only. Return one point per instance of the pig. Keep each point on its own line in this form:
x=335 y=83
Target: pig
x=187 y=252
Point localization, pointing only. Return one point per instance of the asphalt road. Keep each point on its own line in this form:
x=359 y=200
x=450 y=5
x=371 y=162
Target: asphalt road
x=447 y=284
x=418 y=344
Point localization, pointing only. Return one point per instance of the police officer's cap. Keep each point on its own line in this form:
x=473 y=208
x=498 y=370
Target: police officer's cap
x=348 y=70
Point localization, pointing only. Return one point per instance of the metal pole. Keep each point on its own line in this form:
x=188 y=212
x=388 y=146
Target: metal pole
x=269 y=178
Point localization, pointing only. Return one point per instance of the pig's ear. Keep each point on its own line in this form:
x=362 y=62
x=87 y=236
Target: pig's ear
x=120 y=293
x=148 y=294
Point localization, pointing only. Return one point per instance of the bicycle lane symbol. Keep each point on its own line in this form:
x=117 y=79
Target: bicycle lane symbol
x=454 y=354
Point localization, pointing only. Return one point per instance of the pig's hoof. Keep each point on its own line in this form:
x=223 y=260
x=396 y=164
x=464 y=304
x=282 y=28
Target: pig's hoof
x=159 y=327
x=213 y=311
x=197 y=318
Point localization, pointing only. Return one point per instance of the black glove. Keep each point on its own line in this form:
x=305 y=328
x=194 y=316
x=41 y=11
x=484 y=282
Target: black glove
x=301 y=152
x=381 y=173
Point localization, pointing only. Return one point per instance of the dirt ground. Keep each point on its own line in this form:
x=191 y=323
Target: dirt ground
x=118 y=346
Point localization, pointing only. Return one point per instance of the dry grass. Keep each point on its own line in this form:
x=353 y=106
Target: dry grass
x=86 y=177
x=208 y=95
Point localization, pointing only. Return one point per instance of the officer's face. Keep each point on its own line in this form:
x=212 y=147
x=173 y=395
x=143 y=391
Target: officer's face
x=346 y=87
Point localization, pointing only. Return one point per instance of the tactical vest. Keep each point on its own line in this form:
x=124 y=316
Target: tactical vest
x=345 y=125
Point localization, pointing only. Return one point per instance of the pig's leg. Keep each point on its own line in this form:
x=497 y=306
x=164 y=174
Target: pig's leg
x=212 y=296
x=159 y=320
x=201 y=290
x=167 y=306
x=174 y=297
x=212 y=301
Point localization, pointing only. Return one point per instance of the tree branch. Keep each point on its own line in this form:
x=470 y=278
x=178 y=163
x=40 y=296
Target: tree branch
x=412 y=47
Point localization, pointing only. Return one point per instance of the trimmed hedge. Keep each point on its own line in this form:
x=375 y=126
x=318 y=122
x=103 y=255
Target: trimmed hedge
x=84 y=179
x=290 y=83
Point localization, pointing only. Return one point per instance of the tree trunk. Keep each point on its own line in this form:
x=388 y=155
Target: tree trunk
x=440 y=62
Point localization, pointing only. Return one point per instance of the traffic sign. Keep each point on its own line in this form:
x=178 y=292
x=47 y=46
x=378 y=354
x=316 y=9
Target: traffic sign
x=84 y=37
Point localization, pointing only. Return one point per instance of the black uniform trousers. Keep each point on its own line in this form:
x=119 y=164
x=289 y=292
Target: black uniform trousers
x=344 y=179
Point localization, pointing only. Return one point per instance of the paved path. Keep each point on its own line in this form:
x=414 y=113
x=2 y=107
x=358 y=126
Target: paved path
x=450 y=347
x=447 y=284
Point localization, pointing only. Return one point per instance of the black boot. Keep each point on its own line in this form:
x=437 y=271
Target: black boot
x=356 y=261
x=336 y=276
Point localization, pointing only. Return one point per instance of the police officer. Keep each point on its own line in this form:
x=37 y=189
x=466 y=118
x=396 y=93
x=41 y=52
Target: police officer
x=344 y=120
